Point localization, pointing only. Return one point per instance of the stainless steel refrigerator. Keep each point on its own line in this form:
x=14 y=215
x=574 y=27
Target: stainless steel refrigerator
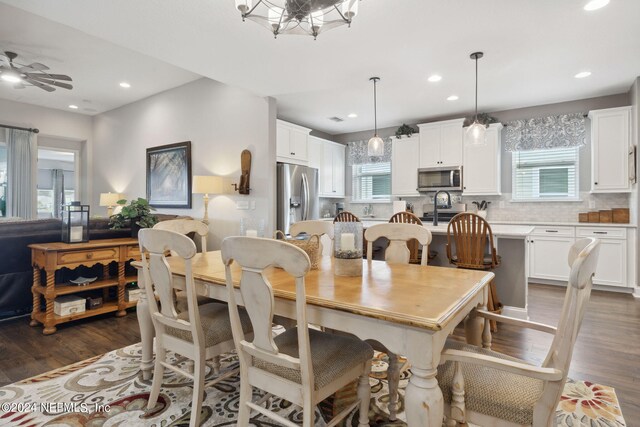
x=297 y=195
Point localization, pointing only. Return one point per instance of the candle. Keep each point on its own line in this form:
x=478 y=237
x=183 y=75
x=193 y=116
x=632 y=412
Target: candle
x=75 y=234
x=252 y=233
x=348 y=242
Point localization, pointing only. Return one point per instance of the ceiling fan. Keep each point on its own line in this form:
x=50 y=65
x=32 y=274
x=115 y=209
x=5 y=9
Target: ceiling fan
x=30 y=75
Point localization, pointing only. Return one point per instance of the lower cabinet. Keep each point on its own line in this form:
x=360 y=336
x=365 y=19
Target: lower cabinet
x=548 y=257
x=549 y=250
x=612 y=259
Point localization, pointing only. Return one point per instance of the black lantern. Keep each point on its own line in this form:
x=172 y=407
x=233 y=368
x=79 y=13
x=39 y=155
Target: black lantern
x=75 y=223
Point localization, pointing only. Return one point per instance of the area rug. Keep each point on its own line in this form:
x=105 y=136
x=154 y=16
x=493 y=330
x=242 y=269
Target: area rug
x=109 y=391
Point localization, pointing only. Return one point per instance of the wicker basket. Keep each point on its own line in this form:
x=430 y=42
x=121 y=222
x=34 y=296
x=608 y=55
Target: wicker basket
x=311 y=246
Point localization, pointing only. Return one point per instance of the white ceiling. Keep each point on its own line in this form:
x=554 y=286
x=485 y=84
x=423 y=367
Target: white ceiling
x=95 y=65
x=533 y=48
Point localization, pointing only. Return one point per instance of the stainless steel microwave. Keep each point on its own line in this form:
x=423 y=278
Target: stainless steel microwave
x=442 y=178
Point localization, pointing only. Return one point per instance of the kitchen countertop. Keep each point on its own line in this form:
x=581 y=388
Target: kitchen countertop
x=524 y=223
x=499 y=230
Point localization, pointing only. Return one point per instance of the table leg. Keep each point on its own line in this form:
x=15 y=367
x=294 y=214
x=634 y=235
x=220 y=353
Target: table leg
x=424 y=403
x=474 y=326
x=146 y=330
x=49 y=296
x=36 y=297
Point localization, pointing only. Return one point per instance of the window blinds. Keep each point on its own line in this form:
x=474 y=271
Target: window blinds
x=545 y=174
x=371 y=181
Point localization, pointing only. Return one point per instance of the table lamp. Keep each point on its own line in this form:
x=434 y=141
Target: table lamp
x=206 y=184
x=110 y=200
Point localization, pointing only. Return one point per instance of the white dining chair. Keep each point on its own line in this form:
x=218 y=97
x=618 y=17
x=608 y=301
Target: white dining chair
x=485 y=387
x=187 y=226
x=399 y=235
x=324 y=229
x=200 y=333
x=302 y=365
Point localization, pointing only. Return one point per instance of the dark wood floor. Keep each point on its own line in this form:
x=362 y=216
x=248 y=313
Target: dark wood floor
x=607 y=350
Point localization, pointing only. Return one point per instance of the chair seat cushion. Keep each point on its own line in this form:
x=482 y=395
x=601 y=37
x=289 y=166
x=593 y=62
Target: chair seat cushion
x=181 y=301
x=490 y=391
x=331 y=356
x=216 y=325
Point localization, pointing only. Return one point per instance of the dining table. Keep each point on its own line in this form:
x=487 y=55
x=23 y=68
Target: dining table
x=410 y=309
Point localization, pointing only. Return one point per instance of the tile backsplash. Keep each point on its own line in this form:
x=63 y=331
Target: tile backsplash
x=503 y=209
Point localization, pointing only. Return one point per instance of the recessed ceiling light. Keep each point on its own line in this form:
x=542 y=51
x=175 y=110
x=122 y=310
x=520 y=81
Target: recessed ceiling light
x=434 y=78
x=125 y=85
x=73 y=107
x=582 y=74
x=453 y=98
x=352 y=115
x=595 y=5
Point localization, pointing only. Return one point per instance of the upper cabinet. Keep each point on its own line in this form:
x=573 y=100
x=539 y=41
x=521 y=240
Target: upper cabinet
x=329 y=158
x=610 y=141
x=291 y=143
x=405 y=157
x=441 y=144
x=481 y=166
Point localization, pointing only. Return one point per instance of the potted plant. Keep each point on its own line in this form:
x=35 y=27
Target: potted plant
x=405 y=130
x=137 y=214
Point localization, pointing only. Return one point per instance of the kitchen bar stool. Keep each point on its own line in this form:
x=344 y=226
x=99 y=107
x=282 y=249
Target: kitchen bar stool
x=467 y=237
x=346 y=216
x=414 y=247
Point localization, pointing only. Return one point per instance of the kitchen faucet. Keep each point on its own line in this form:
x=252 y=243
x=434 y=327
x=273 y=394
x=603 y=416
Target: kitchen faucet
x=435 y=205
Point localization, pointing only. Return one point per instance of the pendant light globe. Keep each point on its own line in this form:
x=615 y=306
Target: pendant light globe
x=375 y=147
x=477 y=132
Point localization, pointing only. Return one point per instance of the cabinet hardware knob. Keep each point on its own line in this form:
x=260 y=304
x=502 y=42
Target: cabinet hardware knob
x=595 y=183
x=89 y=256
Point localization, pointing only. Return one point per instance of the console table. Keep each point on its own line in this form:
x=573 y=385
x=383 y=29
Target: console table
x=51 y=257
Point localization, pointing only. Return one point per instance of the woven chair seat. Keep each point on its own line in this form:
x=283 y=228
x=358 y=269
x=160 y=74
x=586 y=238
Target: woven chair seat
x=181 y=301
x=215 y=324
x=331 y=356
x=490 y=391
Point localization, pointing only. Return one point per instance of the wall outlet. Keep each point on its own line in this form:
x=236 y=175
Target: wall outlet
x=501 y=204
x=242 y=205
x=253 y=205
x=592 y=204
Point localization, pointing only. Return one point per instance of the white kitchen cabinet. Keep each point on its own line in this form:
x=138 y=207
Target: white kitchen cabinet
x=481 y=165
x=610 y=141
x=332 y=169
x=315 y=151
x=441 y=143
x=549 y=251
x=291 y=143
x=612 y=259
x=405 y=154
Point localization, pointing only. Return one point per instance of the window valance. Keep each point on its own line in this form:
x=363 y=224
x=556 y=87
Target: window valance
x=542 y=133
x=357 y=153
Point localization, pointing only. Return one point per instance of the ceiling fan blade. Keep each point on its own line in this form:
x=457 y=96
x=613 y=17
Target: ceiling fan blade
x=41 y=85
x=50 y=76
x=31 y=77
x=36 y=66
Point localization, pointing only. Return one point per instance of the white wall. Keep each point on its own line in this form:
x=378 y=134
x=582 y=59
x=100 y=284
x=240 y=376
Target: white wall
x=56 y=126
x=219 y=120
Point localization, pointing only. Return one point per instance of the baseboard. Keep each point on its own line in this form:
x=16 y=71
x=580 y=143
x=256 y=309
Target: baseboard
x=515 y=312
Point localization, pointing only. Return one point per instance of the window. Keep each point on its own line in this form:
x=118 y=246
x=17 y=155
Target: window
x=545 y=174
x=53 y=163
x=371 y=182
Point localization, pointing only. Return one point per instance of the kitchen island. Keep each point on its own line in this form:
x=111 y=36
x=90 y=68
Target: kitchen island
x=511 y=275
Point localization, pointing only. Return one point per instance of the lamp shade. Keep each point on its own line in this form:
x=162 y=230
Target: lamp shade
x=476 y=134
x=110 y=199
x=207 y=184
x=375 y=147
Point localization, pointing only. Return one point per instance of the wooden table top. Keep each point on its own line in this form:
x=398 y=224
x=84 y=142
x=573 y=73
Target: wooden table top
x=425 y=297
x=91 y=244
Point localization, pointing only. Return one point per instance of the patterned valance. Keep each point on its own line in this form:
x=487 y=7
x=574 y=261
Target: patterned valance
x=357 y=153
x=543 y=133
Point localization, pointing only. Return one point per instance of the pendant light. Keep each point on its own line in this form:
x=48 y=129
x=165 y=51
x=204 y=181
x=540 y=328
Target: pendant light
x=375 y=147
x=476 y=133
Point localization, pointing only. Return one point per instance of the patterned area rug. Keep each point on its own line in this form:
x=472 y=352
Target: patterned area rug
x=109 y=390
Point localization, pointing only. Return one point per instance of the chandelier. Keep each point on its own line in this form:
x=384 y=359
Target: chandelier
x=305 y=17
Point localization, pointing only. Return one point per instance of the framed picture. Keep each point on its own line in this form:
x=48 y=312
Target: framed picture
x=169 y=175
